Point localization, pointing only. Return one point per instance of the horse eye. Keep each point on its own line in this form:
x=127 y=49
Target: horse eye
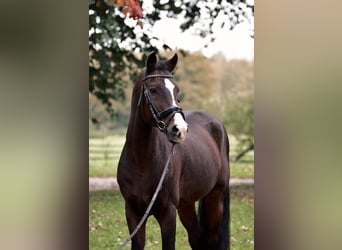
x=153 y=91
x=178 y=100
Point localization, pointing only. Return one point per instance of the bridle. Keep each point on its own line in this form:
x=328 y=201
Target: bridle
x=157 y=115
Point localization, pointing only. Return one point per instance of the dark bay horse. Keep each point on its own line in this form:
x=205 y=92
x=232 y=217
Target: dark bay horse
x=198 y=171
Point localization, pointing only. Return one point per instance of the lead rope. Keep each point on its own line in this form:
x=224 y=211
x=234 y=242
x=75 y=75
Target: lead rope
x=151 y=202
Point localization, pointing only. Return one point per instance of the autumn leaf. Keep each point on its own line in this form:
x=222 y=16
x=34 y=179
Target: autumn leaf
x=133 y=8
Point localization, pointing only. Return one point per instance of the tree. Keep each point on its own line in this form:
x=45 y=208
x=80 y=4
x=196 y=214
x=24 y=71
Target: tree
x=234 y=102
x=117 y=46
x=197 y=80
x=240 y=117
x=108 y=59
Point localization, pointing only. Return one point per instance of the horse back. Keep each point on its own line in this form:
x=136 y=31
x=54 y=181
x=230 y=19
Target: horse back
x=214 y=128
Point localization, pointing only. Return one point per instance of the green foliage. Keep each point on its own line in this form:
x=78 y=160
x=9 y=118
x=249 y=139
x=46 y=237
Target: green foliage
x=235 y=76
x=116 y=46
x=234 y=103
x=237 y=113
x=197 y=79
x=111 y=52
x=239 y=116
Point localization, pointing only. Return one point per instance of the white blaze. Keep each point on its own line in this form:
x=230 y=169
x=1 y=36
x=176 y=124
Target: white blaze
x=169 y=85
x=178 y=118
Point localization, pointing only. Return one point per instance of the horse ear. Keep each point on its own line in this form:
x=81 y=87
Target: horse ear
x=171 y=64
x=151 y=62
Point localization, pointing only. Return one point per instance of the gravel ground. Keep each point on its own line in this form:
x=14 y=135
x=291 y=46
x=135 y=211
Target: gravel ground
x=110 y=183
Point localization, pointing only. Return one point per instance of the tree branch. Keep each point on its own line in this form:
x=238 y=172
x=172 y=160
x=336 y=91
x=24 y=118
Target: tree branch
x=243 y=152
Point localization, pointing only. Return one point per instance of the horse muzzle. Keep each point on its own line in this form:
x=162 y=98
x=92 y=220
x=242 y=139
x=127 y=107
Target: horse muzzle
x=177 y=129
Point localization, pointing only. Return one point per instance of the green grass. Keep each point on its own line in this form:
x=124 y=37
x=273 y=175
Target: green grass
x=104 y=154
x=107 y=223
x=244 y=167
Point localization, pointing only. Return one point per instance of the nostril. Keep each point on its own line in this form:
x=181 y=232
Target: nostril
x=174 y=129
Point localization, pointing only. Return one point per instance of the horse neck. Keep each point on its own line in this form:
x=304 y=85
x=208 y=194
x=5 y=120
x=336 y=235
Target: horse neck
x=144 y=142
x=142 y=139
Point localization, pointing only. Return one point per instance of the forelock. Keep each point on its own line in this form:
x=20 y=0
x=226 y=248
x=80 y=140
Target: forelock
x=162 y=66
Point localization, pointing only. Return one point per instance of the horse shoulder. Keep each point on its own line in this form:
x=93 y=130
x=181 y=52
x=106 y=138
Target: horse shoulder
x=210 y=123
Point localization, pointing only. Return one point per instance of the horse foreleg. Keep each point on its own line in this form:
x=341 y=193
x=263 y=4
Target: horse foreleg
x=188 y=217
x=167 y=221
x=138 y=241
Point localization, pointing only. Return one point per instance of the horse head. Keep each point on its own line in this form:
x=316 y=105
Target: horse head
x=158 y=98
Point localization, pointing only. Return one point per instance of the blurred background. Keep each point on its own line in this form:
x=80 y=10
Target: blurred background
x=45 y=125
x=214 y=41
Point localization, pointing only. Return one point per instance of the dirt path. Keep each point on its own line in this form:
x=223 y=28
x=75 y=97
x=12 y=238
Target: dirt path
x=110 y=183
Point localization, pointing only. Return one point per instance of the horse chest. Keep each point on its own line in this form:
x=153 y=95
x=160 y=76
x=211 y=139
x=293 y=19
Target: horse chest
x=141 y=196
x=140 y=186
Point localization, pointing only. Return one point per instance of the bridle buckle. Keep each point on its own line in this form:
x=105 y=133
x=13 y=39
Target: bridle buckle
x=161 y=125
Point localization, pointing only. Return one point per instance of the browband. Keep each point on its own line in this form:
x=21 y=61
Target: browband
x=153 y=76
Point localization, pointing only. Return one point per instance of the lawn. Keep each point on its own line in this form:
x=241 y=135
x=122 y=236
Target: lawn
x=107 y=224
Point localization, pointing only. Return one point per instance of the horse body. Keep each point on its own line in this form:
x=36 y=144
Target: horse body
x=202 y=158
x=199 y=170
